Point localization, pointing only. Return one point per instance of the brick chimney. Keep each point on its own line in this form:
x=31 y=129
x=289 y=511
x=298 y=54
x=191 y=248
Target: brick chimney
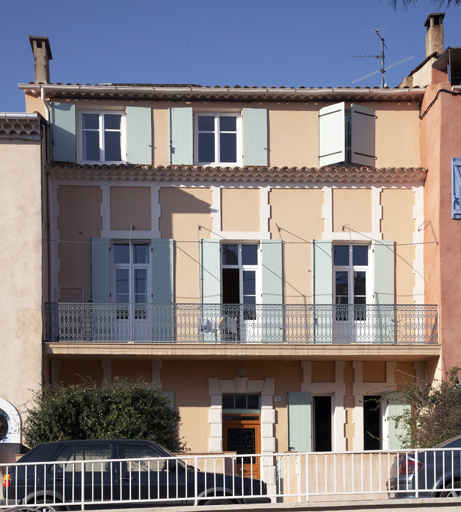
x=434 y=33
x=42 y=55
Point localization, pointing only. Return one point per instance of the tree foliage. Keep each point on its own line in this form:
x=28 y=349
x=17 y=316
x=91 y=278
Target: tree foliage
x=439 y=3
x=86 y=411
x=435 y=412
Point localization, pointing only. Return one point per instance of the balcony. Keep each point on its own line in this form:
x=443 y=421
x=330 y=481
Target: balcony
x=242 y=324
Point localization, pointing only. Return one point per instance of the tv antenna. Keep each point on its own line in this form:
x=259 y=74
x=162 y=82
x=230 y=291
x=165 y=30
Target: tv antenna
x=383 y=67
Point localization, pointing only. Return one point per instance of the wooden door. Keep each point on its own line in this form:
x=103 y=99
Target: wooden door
x=242 y=434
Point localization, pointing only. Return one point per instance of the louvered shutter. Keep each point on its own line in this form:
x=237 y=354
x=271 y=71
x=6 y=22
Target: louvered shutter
x=139 y=135
x=63 y=128
x=210 y=268
x=332 y=126
x=299 y=421
x=272 y=317
x=254 y=136
x=100 y=269
x=397 y=408
x=162 y=319
x=383 y=291
x=363 y=135
x=456 y=188
x=323 y=290
x=181 y=136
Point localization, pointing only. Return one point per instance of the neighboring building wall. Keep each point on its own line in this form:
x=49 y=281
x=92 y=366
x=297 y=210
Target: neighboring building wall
x=21 y=264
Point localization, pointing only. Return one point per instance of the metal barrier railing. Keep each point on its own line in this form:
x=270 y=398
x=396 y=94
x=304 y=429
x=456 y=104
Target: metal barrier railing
x=280 y=477
x=242 y=323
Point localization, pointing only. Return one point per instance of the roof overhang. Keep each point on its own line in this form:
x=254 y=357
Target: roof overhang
x=185 y=93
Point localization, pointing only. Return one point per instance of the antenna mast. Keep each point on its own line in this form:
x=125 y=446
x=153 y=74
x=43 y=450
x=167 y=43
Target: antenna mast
x=383 y=68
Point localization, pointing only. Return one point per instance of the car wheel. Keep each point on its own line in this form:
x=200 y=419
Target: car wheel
x=456 y=493
x=42 y=507
x=218 y=502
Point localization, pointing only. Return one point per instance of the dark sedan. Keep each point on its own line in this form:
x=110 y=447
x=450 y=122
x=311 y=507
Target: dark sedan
x=434 y=473
x=118 y=472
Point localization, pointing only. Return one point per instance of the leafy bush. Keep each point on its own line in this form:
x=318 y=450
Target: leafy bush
x=86 y=411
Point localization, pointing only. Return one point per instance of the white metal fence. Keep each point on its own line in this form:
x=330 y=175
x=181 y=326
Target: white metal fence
x=281 y=477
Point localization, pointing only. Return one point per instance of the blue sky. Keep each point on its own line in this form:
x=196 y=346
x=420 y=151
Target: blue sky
x=289 y=43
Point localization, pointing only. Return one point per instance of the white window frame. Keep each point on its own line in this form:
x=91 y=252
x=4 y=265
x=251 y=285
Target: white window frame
x=239 y=135
x=130 y=266
x=101 y=114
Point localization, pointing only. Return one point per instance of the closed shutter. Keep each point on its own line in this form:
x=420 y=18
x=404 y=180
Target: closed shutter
x=162 y=271
x=323 y=290
x=332 y=126
x=254 y=136
x=63 y=128
x=139 y=135
x=397 y=408
x=363 y=135
x=181 y=136
x=170 y=395
x=299 y=421
x=383 y=292
x=456 y=188
x=272 y=317
x=100 y=270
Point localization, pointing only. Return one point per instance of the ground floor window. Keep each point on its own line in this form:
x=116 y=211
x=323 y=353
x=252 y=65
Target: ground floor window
x=321 y=419
x=372 y=423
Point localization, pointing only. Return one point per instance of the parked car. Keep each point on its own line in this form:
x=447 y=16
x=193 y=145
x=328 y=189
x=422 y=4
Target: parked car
x=119 y=471
x=434 y=473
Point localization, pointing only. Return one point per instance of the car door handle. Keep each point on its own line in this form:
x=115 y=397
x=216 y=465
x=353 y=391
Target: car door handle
x=128 y=478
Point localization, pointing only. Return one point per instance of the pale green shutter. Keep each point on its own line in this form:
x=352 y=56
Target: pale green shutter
x=181 y=136
x=271 y=316
x=362 y=135
x=170 y=395
x=63 y=132
x=332 y=134
x=100 y=269
x=383 y=291
x=397 y=408
x=299 y=421
x=139 y=135
x=162 y=271
x=162 y=290
x=210 y=269
x=255 y=140
x=323 y=290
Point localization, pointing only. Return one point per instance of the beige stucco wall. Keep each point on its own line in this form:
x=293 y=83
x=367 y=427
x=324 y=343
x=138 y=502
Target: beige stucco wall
x=398 y=224
x=298 y=214
x=240 y=209
x=21 y=271
x=352 y=207
x=184 y=211
x=130 y=208
x=79 y=220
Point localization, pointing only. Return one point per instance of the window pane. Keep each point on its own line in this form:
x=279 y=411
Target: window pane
x=253 y=401
x=140 y=253
x=359 y=283
x=360 y=255
x=249 y=299
x=341 y=255
x=206 y=123
x=206 y=149
x=227 y=123
x=230 y=286
x=228 y=147
x=249 y=282
x=240 y=401
x=90 y=121
x=140 y=285
x=230 y=254
x=342 y=287
x=90 y=142
x=121 y=253
x=121 y=285
x=249 y=254
x=112 y=121
x=228 y=401
x=113 y=152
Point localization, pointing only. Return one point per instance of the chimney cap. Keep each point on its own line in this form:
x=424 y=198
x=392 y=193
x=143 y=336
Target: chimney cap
x=44 y=40
x=438 y=15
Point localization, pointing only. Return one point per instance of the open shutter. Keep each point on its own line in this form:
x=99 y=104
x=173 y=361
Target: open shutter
x=254 y=136
x=456 y=188
x=210 y=268
x=170 y=395
x=162 y=290
x=332 y=126
x=63 y=132
x=100 y=269
x=363 y=135
x=299 y=421
x=397 y=430
x=272 y=317
x=383 y=292
x=323 y=290
x=139 y=135
x=181 y=136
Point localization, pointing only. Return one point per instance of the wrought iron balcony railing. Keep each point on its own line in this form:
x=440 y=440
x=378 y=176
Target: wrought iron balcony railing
x=241 y=323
